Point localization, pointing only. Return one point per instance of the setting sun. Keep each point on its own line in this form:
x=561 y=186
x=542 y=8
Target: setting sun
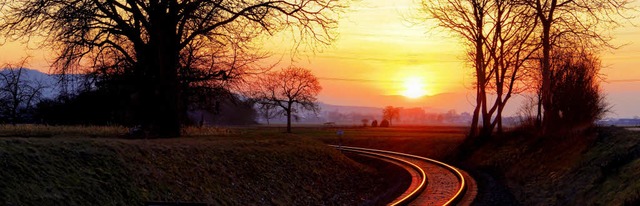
x=414 y=87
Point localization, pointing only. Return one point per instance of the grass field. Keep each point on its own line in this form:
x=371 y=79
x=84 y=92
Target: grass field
x=429 y=141
x=79 y=165
x=599 y=167
x=220 y=166
x=61 y=131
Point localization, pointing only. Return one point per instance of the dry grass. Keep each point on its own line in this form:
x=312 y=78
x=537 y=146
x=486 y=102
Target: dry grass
x=211 y=131
x=32 y=130
x=236 y=166
x=29 y=130
x=594 y=168
x=430 y=141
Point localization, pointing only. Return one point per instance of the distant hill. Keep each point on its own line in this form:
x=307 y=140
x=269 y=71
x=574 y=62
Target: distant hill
x=52 y=88
x=459 y=101
x=31 y=75
x=349 y=109
x=439 y=103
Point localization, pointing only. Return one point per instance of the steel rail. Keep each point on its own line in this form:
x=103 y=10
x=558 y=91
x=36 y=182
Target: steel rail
x=413 y=194
x=462 y=183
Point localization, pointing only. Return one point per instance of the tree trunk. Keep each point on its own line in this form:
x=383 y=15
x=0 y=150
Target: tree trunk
x=500 y=106
x=473 y=131
x=288 y=118
x=159 y=103
x=480 y=70
x=539 y=114
x=486 y=117
x=547 y=102
x=15 y=103
x=499 y=118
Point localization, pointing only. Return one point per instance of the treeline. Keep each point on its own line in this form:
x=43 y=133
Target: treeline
x=27 y=97
x=104 y=99
x=406 y=116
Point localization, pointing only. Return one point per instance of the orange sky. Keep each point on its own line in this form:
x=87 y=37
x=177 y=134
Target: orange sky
x=378 y=43
x=378 y=50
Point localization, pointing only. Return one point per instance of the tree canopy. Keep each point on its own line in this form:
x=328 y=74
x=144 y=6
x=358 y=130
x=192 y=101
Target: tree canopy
x=291 y=89
x=148 y=41
x=390 y=113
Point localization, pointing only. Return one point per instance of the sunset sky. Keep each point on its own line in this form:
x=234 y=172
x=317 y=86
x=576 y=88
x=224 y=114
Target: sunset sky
x=379 y=53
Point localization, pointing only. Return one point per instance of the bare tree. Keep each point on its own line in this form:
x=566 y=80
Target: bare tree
x=291 y=89
x=563 y=23
x=18 y=95
x=269 y=110
x=390 y=113
x=150 y=36
x=467 y=19
x=510 y=44
x=498 y=36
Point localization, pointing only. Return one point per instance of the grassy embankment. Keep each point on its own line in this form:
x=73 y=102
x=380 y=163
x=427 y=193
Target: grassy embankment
x=599 y=167
x=219 y=166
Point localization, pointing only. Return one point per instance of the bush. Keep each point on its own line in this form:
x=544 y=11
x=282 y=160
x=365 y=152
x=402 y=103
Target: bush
x=384 y=123
x=576 y=95
x=374 y=123
x=365 y=122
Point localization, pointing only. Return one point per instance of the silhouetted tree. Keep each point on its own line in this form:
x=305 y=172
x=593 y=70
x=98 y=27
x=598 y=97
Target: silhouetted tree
x=90 y=107
x=235 y=111
x=18 y=94
x=290 y=89
x=570 y=23
x=269 y=111
x=467 y=18
x=389 y=113
x=385 y=123
x=498 y=34
x=576 y=90
x=510 y=46
x=503 y=36
x=374 y=123
x=151 y=36
x=206 y=79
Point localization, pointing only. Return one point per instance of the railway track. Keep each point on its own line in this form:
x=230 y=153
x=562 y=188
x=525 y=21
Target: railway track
x=433 y=182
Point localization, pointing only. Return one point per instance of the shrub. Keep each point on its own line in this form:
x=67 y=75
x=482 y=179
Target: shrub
x=384 y=123
x=374 y=123
x=576 y=94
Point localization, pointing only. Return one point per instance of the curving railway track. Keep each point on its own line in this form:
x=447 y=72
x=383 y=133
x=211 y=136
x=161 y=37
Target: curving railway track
x=433 y=182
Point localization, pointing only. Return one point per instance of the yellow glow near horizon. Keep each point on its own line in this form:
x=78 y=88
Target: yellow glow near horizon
x=414 y=87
